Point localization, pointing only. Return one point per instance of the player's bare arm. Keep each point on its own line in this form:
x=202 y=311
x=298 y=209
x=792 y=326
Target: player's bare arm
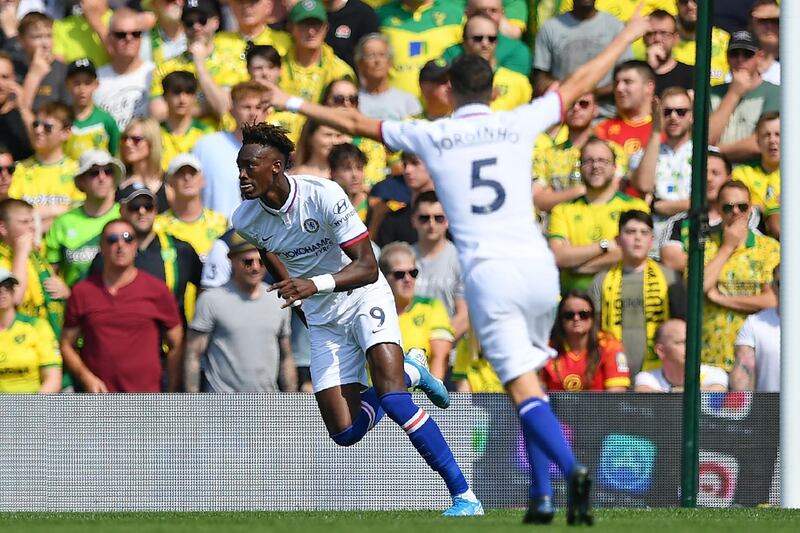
x=346 y=120
x=588 y=75
x=279 y=273
x=362 y=270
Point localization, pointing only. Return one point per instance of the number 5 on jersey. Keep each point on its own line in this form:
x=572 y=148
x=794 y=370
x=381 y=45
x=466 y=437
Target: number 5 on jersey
x=478 y=181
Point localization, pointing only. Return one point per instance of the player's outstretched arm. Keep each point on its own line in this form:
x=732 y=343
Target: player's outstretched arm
x=588 y=75
x=349 y=121
x=362 y=270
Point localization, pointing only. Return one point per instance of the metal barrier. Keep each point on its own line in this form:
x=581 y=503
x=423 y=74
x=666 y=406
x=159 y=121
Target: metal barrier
x=271 y=452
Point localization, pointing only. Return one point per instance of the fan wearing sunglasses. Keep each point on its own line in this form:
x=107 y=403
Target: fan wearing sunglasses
x=74 y=238
x=738 y=105
x=737 y=277
x=511 y=88
x=123 y=314
x=424 y=322
x=46 y=180
x=587 y=358
x=7 y=168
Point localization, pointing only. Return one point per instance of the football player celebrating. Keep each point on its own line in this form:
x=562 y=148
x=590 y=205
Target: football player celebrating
x=320 y=253
x=480 y=162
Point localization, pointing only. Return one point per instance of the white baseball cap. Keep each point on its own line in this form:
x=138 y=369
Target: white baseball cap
x=183 y=160
x=5 y=275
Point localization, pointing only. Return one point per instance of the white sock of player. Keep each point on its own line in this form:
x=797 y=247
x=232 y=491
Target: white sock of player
x=412 y=374
x=469 y=496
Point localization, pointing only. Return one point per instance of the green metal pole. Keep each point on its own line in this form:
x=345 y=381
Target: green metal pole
x=697 y=221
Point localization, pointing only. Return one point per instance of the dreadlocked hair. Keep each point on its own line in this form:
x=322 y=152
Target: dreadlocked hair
x=269 y=135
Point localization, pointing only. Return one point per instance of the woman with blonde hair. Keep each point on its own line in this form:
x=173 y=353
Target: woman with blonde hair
x=140 y=150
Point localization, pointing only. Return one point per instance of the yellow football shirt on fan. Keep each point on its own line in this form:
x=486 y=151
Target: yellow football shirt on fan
x=173 y=144
x=309 y=82
x=581 y=223
x=418 y=36
x=27 y=346
x=225 y=67
x=200 y=233
x=44 y=185
x=764 y=186
x=511 y=90
x=426 y=320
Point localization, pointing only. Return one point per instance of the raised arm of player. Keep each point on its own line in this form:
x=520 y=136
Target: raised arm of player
x=588 y=75
x=362 y=270
x=346 y=120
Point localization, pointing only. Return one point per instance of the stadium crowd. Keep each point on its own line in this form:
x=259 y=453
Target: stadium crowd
x=120 y=124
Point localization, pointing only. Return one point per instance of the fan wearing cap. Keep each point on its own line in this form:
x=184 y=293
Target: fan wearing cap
x=92 y=128
x=123 y=315
x=169 y=259
x=187 y=219
x=240 y=355
x=216 y=69
x=45 y=180
x=418 y=31
x=74 y=237
x=738 y=105
x=84 y=33
x=435 y=89
x=310 y=64
x=31 y=361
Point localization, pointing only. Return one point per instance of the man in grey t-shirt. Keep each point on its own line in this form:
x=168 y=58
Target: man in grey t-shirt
x=568 y=41
x=376 y=98
x=240 y=333
x=437 y=260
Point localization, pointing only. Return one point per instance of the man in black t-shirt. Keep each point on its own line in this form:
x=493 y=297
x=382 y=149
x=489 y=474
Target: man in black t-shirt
x=160 y=255
x=660 y=39
x=348 y=21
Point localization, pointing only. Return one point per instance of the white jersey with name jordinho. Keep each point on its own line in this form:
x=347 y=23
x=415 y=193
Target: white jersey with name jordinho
x=480 y=162
x=307 y=234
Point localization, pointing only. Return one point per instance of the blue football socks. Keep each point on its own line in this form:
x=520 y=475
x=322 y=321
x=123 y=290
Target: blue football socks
x=544 y=439
x=370 y=414
x=426 y=438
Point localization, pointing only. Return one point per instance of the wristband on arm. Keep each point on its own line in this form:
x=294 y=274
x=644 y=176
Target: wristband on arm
x=324 y=283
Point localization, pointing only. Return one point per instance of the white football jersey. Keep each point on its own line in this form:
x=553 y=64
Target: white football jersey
x=480 y=162
x=307 y=234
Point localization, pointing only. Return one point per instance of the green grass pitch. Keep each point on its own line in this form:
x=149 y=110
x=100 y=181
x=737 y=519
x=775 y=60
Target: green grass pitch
x=621 y=520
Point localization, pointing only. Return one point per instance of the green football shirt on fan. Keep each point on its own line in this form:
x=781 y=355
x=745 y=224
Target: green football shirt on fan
x=73 y=240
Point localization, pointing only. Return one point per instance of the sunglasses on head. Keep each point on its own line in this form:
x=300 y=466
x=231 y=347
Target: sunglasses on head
x=572 y=315
x=427 y=218
x=401 y=274
x=46 y=126
x=250 y=261
x=680 y=111
x=481 y=38
x=120 y=35
x=8 y=168
x=135 y=139
x=741 y=206
x=125 y=236
x=147 y=206
x=747 y=54
x=94 y=172
x=341 y=99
